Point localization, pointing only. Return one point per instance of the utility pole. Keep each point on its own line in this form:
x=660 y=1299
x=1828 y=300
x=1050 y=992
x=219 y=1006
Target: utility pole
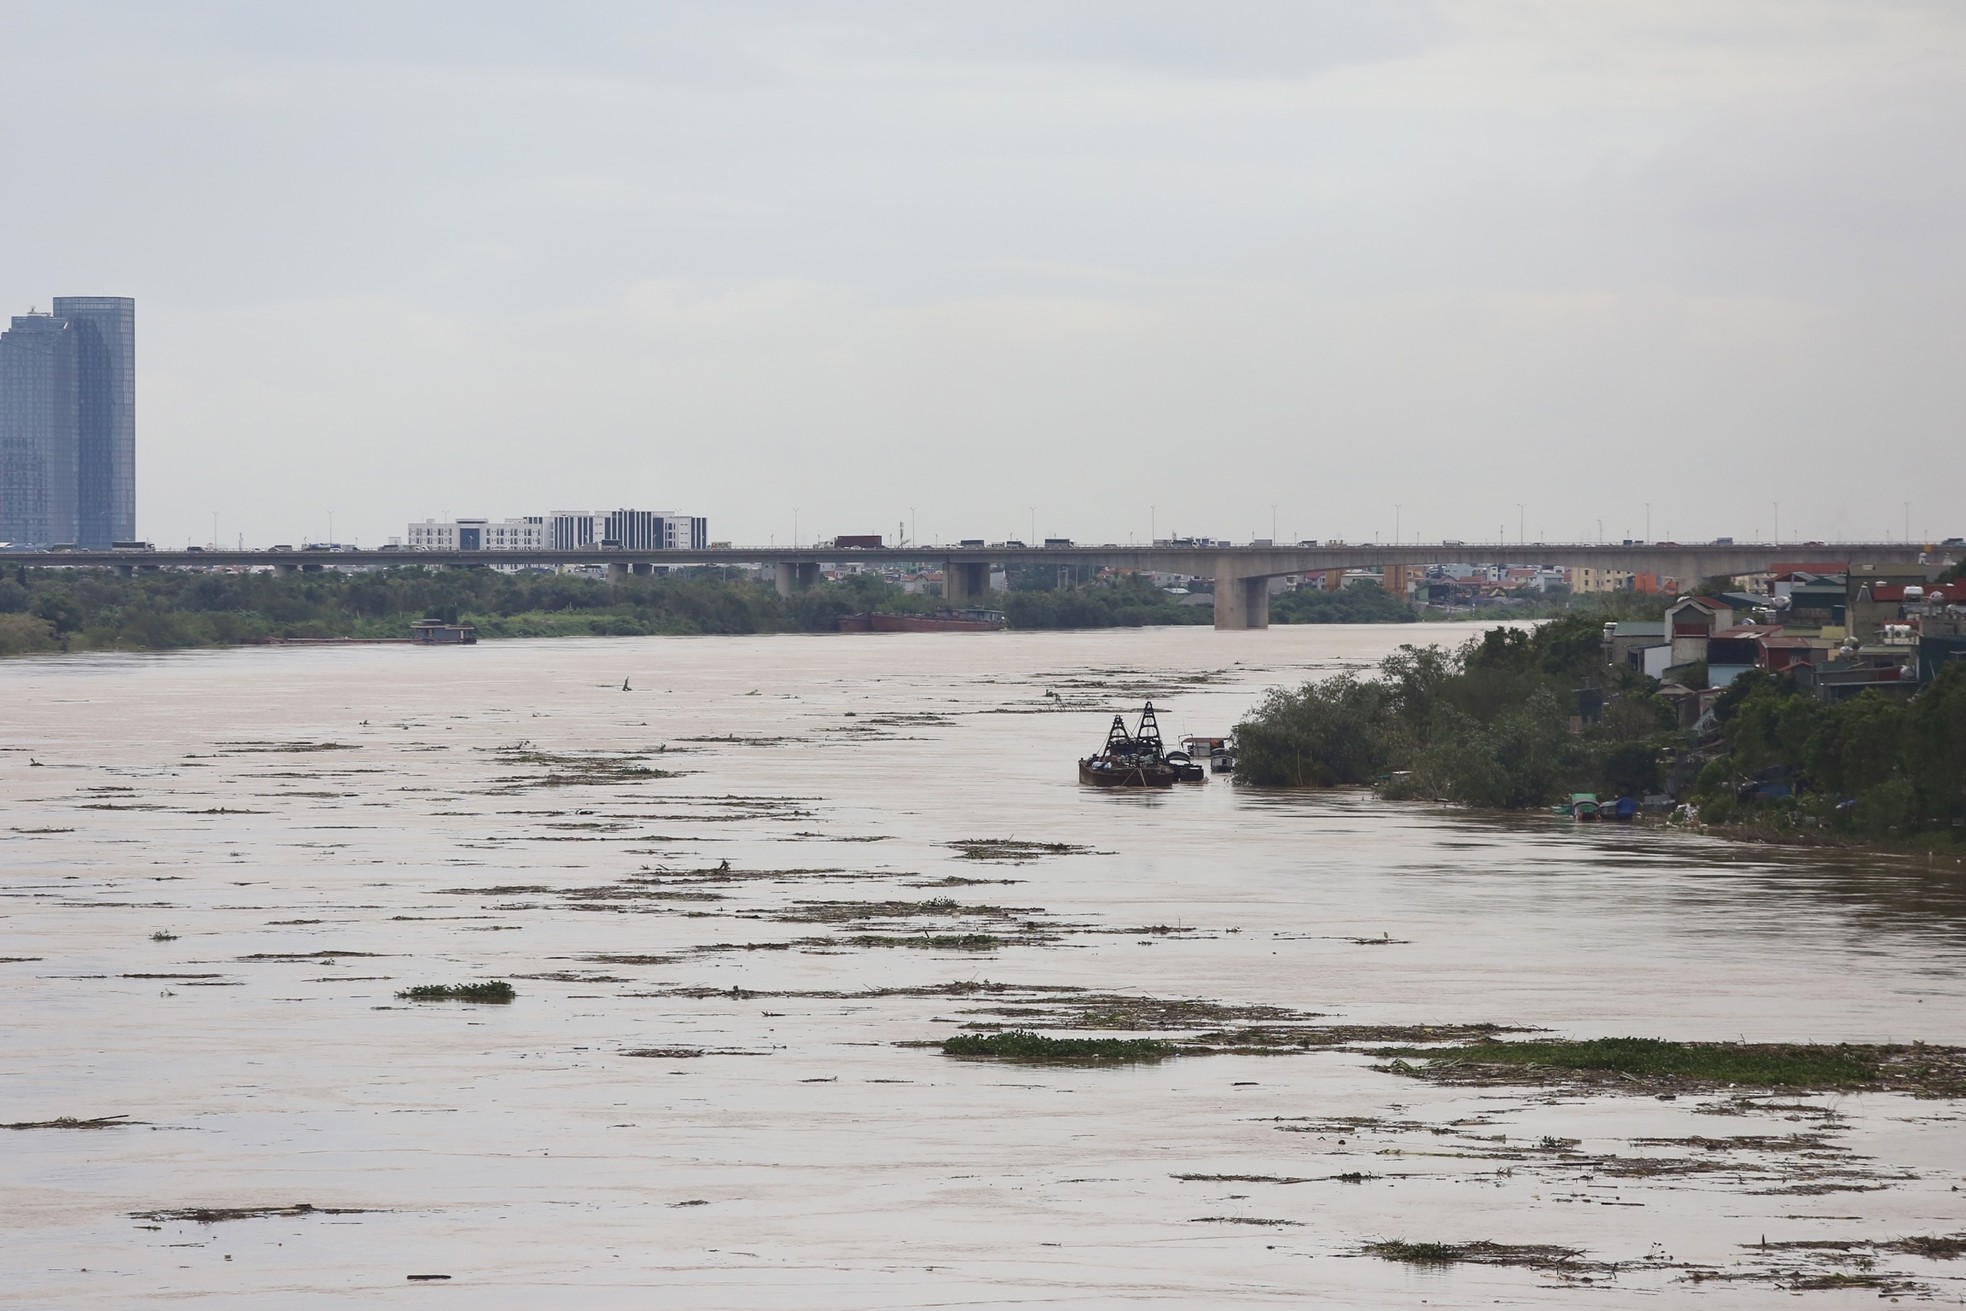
x=1032 y=540
x=1273 y=525
x=1521 y=518
x=1778 y=523
x=1396 y=525
x=913 y=537
x=795 y=528
x=1150 y=524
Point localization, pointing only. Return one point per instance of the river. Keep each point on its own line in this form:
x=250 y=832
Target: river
x=703 y=864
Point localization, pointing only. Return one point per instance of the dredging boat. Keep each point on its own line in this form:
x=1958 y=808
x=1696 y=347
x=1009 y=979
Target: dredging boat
x=1137 y=759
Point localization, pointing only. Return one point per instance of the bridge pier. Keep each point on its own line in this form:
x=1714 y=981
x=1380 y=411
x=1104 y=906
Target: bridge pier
x=965 y=584
x=285 y=570
x=617 y=570
x=1240 y=602
x=793 y=578
x=642 y=568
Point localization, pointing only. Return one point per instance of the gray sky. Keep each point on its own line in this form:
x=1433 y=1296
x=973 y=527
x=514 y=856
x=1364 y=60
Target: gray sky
x=405 y=259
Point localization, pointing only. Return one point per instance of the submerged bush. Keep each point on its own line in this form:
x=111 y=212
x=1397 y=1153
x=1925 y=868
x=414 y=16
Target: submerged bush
x=1324 y=733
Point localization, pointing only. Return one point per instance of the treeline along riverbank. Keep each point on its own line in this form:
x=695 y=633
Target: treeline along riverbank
x=1522 y=718
x=68 y=609
x=55 y=609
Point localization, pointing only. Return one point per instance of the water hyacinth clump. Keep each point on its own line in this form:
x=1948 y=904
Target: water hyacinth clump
x=498 y=992
x=1035 y=1048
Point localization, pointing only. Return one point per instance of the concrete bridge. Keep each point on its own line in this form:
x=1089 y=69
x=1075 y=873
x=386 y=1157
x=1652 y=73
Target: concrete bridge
x=1241 y=573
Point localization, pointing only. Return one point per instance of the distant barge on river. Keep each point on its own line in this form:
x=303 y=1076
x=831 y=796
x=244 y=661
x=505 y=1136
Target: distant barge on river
x=935 y=621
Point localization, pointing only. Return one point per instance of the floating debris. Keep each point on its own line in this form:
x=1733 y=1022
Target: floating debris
x=496 y=992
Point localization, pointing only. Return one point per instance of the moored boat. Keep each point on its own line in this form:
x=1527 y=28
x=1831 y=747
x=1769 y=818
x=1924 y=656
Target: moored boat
x=1220 y=751
x=1132 y=760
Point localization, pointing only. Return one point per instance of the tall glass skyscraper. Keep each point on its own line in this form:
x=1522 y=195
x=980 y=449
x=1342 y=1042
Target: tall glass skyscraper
x=68 y=424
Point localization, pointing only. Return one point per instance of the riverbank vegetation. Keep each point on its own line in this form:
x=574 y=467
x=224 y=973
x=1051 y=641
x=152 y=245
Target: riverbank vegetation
x=1522 y=718
x=1362 y=603
x=53 y=609
x=1490 y=724
x=1872 y=767
x=98 y=610
x=1038 y=599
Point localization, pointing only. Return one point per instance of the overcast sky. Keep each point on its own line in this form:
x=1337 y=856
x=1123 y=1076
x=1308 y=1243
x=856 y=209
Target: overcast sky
x=1121 y=262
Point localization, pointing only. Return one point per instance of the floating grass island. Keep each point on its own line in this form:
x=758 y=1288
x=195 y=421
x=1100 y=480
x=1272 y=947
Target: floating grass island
x=1029 y=1048
x=497 y=992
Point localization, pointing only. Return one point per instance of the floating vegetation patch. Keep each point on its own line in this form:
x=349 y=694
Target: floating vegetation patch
x=75 y=1122
x=1538 y=1255
x=1238 y=1179
x=307 y=955
x=1240 y=1220
x=253 y=748
x=1656 y=1063
x=576 y=769
x=497 y=992
x=1012 y=851
x=932 y=941
x=847 y=912
x=163 y=935
x=209 y=1215
x=958 y=881
x=1026 y=1047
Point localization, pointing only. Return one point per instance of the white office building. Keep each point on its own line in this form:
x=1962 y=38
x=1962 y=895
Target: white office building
x=527 y=533
x=565 y=530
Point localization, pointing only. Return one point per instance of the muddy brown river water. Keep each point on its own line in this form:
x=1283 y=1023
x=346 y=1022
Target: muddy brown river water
x=730 y=904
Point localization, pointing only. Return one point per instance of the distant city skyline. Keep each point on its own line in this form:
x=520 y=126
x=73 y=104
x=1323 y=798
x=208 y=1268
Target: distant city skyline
x=68 y=424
